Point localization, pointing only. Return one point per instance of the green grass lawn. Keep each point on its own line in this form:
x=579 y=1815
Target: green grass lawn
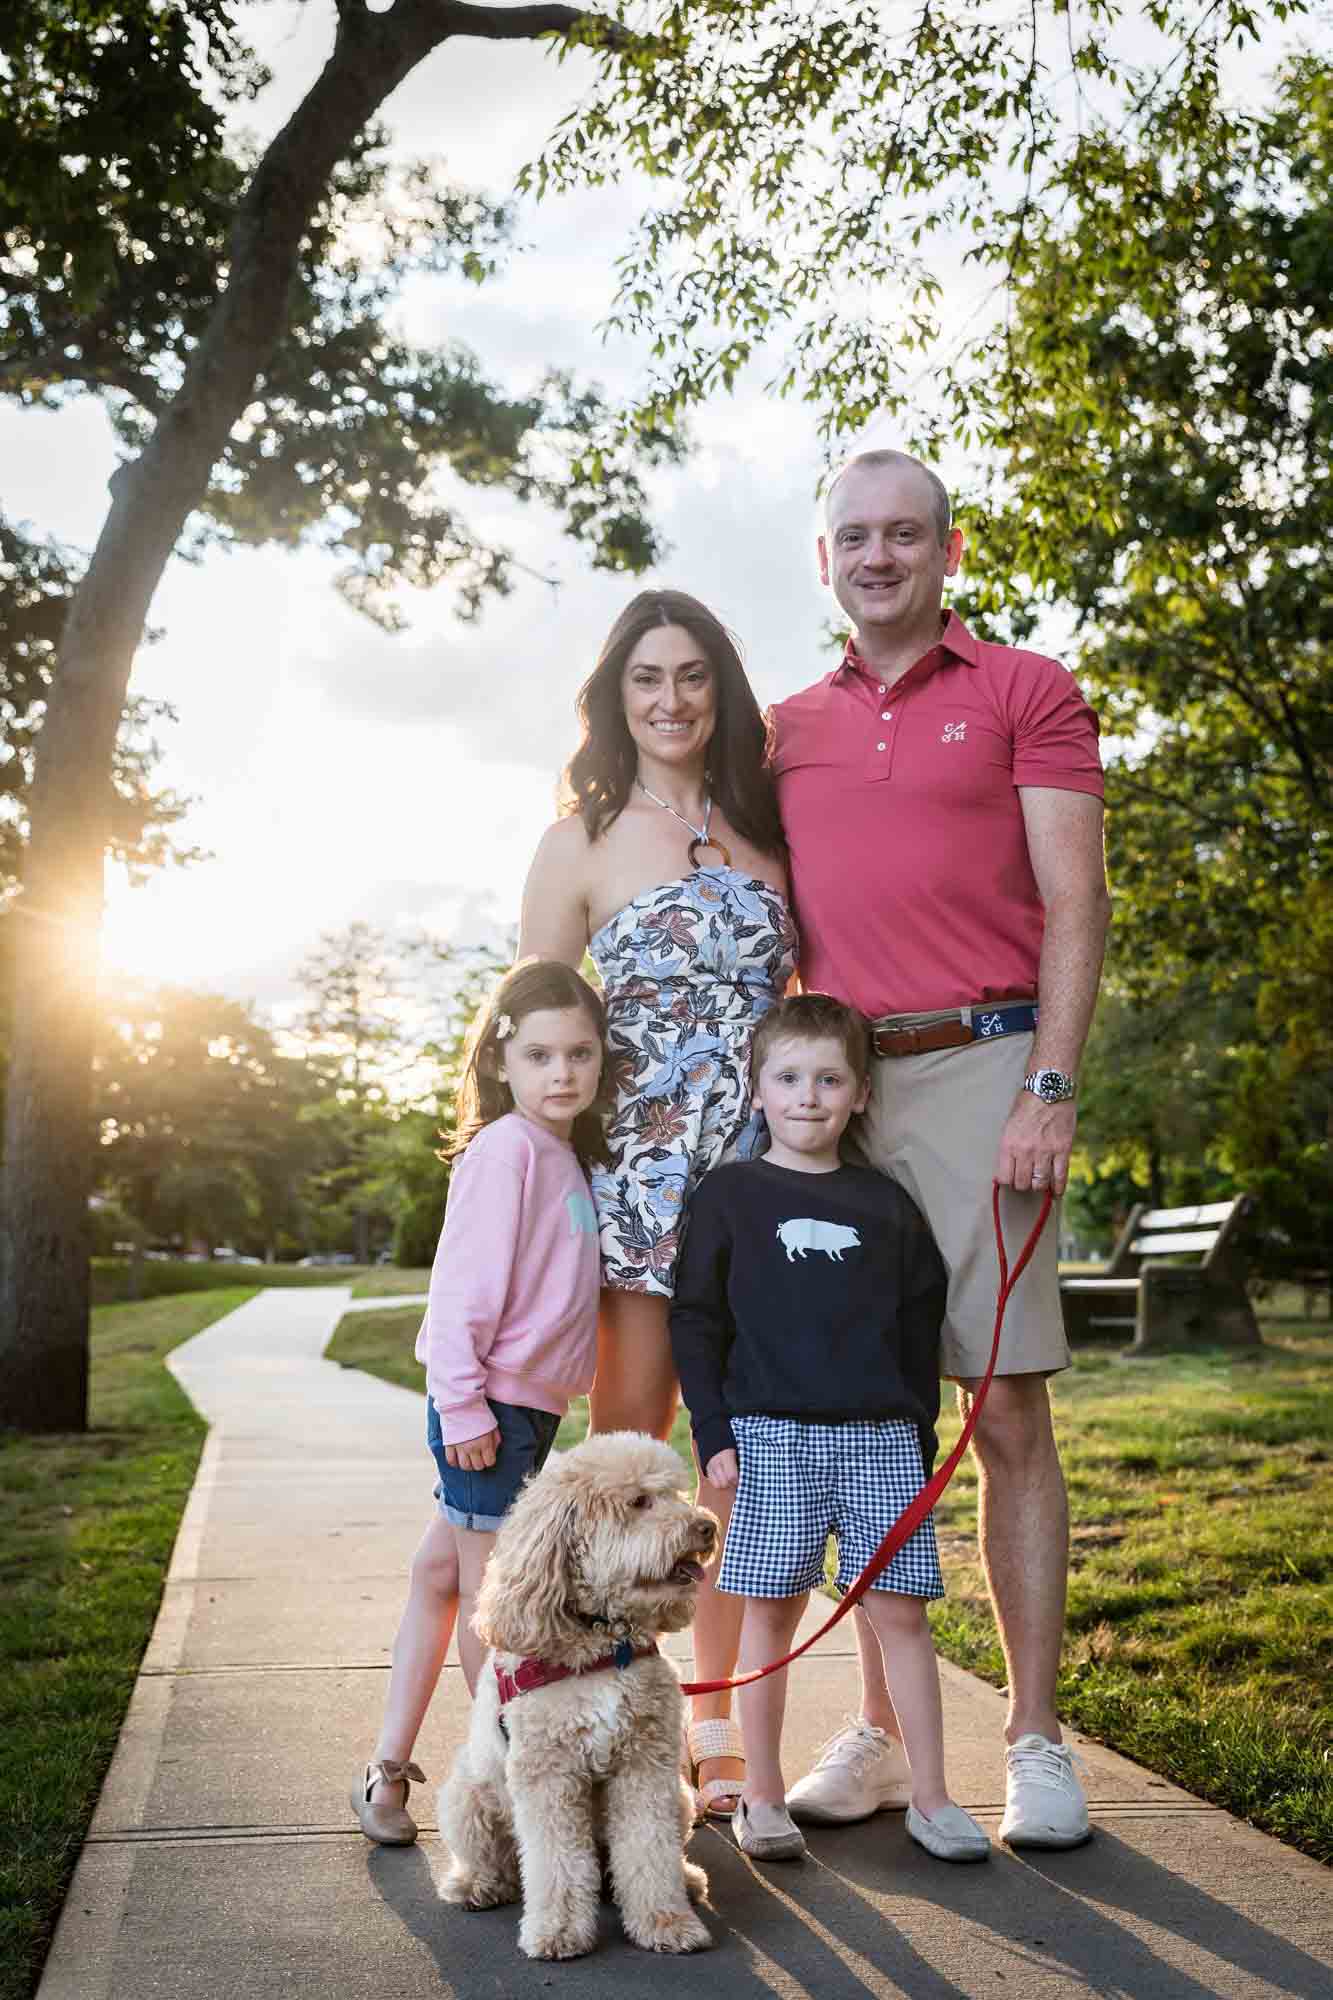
x=87 y=1525
x=1200 y=1635
x=388 y=1282
x=166 y=1276
x=1200 y=1630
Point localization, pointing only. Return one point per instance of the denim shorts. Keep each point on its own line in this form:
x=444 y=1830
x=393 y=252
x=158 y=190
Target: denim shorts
x=480 y=1500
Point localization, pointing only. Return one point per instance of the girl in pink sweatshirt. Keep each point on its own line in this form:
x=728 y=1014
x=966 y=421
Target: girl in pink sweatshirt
x=510 y=1332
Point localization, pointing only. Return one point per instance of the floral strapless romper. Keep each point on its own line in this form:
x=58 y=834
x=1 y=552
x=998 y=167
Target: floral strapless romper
x=688 y=968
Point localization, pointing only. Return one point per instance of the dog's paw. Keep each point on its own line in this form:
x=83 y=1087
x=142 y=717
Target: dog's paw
x=671 y=1930
x=539 y=1941
x=696 y=1881
x=476 y=1892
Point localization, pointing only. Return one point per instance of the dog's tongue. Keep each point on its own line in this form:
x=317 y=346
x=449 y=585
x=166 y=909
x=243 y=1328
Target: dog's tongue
x=693 y=1570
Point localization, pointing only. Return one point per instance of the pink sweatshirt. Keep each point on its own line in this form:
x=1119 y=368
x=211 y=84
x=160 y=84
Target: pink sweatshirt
x=513 y=1292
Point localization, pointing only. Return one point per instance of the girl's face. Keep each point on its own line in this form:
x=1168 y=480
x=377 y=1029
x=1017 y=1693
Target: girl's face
x=670 y=697
x=552 y=1063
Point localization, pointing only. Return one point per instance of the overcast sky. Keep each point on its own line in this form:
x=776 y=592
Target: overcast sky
x=341 y=773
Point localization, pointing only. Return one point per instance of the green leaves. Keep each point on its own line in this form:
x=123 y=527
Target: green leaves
x=115 y=189
x=1161 y=403
x=118 y=196
x=812 y=155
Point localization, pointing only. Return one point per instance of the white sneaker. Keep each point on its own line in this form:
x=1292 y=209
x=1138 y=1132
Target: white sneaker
x=860 y=1771
x=1044 y=1802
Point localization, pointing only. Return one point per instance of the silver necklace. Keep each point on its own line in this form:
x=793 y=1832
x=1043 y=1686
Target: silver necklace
x=701 y=834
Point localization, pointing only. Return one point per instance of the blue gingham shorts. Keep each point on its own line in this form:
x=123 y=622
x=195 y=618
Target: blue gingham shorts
x=801 y=1483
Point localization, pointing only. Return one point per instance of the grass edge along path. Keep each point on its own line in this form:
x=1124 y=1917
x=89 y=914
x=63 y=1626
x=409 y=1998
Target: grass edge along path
x=87 y=1526
x=1201 y=1575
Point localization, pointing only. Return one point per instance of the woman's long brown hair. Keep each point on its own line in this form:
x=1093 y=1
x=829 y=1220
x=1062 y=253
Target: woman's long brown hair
x=483 y=1095
x=600 y=775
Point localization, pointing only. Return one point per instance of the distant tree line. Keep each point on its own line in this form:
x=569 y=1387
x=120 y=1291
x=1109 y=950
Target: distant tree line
x=213 y=1127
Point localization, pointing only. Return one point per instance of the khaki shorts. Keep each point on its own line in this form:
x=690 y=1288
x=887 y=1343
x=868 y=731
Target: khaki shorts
x=933 y=1124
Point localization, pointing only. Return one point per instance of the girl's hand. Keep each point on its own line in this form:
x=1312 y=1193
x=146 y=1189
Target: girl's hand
x=723 y=1468
x=473 y=1454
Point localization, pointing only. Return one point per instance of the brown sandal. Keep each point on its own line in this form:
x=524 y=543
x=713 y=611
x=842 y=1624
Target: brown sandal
x=391 y=1826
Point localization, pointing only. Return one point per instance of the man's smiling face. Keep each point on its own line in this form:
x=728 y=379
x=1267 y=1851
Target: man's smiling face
x=882 y=551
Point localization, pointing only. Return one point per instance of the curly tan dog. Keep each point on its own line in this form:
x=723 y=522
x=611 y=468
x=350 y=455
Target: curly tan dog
x=600 y=1553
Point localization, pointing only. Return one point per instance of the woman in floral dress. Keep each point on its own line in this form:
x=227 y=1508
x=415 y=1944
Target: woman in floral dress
x=669 y=867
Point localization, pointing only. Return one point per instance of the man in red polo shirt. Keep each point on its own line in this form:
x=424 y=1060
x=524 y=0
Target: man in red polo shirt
x=942 y=798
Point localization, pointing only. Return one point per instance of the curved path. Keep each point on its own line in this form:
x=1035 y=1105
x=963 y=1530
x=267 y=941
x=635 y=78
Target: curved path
x=223 y=1863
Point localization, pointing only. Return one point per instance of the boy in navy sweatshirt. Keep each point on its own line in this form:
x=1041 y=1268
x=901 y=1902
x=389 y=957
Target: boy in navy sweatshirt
x=805 y=1327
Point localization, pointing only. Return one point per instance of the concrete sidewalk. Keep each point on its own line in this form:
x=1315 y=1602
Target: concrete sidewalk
x=223 y=1860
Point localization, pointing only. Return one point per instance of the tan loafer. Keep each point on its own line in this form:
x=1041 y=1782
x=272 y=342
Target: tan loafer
x=391 y=1826
x=950 y=1834
x=769 y=1833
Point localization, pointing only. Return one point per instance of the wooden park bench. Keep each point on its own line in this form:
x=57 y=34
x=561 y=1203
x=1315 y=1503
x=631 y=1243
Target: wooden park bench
x=1147 y=1290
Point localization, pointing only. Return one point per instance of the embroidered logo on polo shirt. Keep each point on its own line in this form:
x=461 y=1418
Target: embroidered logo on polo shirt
x=954 y=732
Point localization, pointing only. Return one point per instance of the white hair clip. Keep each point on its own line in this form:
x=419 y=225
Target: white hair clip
x=504 y=1027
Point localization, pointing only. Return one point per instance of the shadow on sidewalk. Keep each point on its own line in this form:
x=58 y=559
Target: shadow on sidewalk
x=869 y=1914
x=1129 y=1881
x=801 y=1932
x=1048 y=1911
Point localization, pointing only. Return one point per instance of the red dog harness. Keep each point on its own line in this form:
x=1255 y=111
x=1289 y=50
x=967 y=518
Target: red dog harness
x=534 y=1673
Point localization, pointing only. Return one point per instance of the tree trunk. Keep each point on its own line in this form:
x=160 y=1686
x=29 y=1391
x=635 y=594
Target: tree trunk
x=44 y=1293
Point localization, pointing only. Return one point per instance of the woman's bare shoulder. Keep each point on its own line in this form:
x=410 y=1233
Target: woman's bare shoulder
x=555 y=897
x=566 y=838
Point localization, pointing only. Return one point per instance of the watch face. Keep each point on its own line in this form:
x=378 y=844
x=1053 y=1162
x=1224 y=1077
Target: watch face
x=1052 y=1086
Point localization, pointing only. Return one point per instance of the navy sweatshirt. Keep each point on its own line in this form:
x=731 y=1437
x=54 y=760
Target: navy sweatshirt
x=818 y=1296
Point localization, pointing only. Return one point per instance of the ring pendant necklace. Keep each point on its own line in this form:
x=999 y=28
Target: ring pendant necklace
x=701 y=834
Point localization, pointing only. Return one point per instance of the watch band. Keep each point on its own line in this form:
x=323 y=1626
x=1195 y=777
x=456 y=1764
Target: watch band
x=1052 y=1086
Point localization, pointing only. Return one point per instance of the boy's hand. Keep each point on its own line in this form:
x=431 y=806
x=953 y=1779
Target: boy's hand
x=473 y=1454
x=723 y=1468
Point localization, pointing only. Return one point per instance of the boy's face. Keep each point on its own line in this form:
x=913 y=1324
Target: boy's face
x=808 y=1090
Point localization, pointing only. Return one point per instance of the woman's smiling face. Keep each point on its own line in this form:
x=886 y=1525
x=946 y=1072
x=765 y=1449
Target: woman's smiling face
x=669 y=696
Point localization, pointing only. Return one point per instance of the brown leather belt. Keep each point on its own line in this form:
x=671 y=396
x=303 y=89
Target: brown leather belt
x=984 y=1022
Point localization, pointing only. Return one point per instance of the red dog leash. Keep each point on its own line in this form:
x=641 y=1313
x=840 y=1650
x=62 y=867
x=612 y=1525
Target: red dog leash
x=911 y=1518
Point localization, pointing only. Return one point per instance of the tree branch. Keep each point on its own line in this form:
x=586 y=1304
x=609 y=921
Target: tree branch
x=525 y=24
x=30 y=374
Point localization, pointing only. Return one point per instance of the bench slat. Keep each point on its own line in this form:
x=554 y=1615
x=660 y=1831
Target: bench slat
x=1126 y=1285
x=1169 y=1218
x=1183 y=1239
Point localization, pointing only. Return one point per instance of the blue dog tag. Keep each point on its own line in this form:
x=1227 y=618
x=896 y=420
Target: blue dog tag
x=623 y=1654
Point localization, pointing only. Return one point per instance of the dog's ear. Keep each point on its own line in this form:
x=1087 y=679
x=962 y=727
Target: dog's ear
x=522 y=1603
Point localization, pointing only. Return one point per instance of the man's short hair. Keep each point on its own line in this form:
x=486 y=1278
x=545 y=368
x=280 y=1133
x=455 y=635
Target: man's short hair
x=940 y=504
x=812 y=1017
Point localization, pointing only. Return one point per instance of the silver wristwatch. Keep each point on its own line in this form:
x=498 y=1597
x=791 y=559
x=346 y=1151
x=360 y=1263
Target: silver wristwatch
x=1052 y=1086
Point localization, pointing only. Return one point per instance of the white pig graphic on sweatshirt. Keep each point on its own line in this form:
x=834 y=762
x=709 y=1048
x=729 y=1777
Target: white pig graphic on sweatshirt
x=803 y=1233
